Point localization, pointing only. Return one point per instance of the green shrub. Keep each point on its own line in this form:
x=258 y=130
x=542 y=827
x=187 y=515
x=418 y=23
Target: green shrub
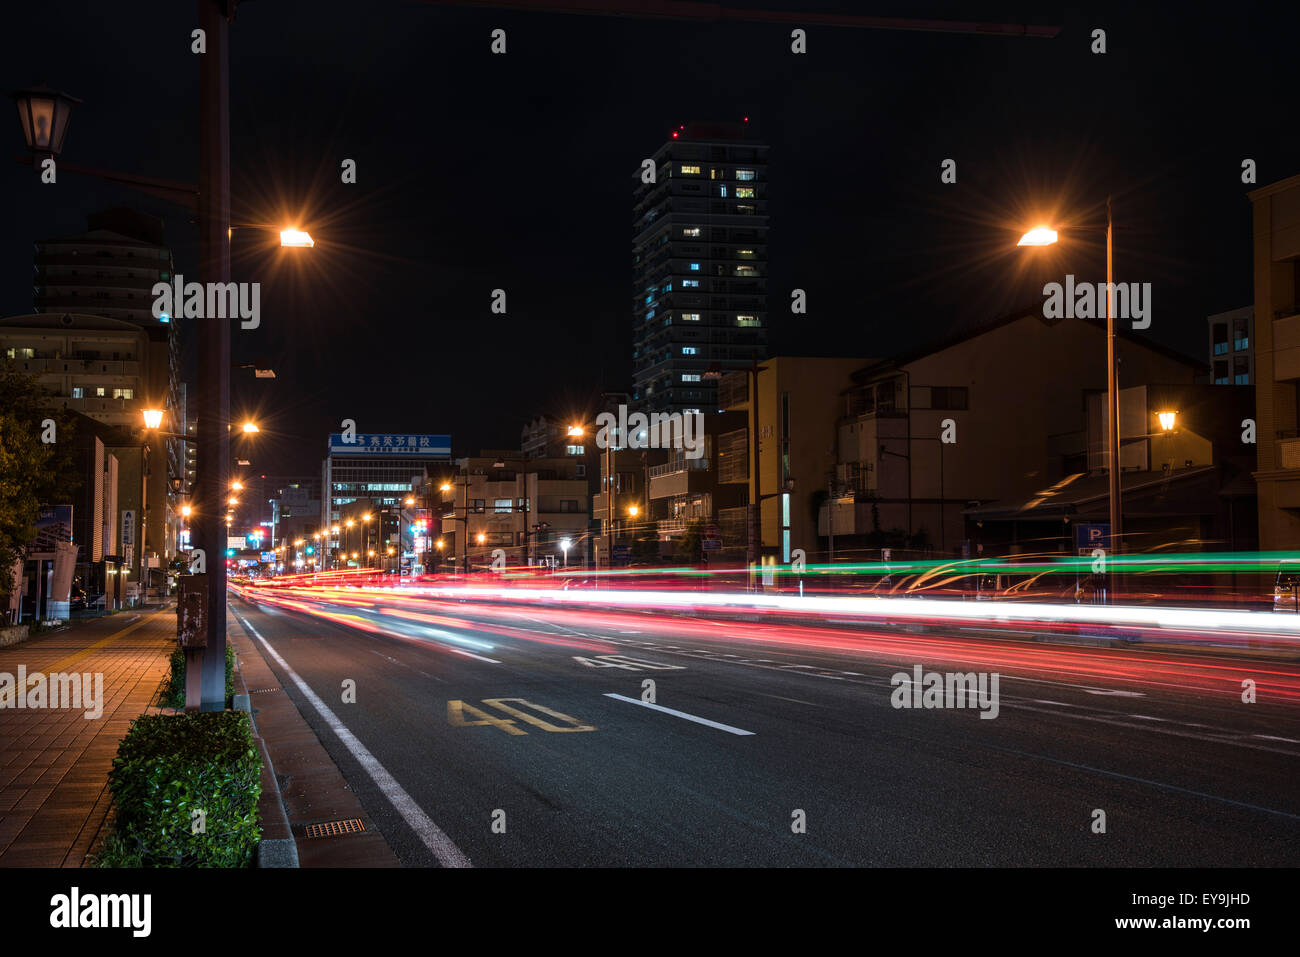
x=115 y=852
x=174 y=695
x=169 y=766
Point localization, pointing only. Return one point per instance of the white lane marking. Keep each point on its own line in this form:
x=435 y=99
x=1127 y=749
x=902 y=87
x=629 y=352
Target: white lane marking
x=1146 y=717
x=447 y=853
x=679 y=714
x=1121 y=694
x=1273 y=737
x=856 y=674
x=470 y=654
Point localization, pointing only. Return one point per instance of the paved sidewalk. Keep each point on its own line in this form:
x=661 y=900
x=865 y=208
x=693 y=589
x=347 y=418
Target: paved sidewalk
x=54 y=764
x=311 y=785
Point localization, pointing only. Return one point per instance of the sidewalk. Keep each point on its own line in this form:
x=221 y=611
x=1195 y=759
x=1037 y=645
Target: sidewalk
x=312 y=787
x=54 y=764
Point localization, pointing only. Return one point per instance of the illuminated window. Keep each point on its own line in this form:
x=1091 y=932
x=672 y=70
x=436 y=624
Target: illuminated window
x=695 y=267
x=690 y=284
x=575 y=450
x=691 y=231
x=744 y=254
x=124 y=393
x=99 y=392
x=746 y=271
x=691 y=316
x=690 y=377
x=744 y=174
x=688 y=350
x=722 y=191
x=690 y=170
x=744 y=192
x=78 y=392
x=744 y=209
x=746 y=320
x=503 y=505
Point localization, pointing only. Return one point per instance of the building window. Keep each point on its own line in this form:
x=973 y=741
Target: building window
x=691 y=316
x=744 y=254
x=691 y=231
x=688 y=350
x=690 y=284
x=78 y=392
x=124 y=393
x=581 y=470
x=746 y=321
x=689 y=170
x=746 y=271
x=744 y=175
x=744 y=209
x=690 y=377
x=575 y=450
x=744 y=192
x=953 y=398
x=722 y=191
x=99 y=392
x=695 y=267
x=568 y=505
x=478 y=505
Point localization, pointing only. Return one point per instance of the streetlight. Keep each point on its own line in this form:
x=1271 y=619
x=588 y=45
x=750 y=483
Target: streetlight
x=44 y=113
x=1167 y=420
x=565 y=545
x=1044 y=236
x=296 y=237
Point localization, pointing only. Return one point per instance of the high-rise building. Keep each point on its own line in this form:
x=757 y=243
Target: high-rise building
x=699 y=262
x=110 y=271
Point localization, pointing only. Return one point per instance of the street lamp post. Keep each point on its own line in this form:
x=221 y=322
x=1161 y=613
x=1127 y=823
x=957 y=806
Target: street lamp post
x=1043 y=236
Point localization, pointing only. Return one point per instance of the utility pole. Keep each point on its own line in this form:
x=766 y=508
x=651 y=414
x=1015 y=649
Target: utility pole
x=214 y=335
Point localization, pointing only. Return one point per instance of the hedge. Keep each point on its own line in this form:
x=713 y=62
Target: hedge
x=174 y=696
x=169 y=766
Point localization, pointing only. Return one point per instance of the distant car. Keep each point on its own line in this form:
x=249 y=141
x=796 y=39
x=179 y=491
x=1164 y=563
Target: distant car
x=1286 y=590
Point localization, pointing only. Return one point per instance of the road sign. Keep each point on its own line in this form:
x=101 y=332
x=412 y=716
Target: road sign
x=1092 y=536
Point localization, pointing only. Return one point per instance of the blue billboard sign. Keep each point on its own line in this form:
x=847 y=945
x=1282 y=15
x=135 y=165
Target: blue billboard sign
x=382 y=443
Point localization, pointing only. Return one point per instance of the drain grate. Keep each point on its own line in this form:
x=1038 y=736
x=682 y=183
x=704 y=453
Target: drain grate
x=262 y=690
x=336 y=828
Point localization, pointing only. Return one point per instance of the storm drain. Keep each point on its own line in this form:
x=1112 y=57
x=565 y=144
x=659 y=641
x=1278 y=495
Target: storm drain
x=336 y=828
x=262 y=690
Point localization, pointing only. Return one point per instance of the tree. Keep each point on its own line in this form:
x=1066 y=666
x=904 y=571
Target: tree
x=691 y=547
x=33 y=472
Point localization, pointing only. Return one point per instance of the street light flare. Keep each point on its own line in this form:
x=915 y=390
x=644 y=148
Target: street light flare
x=153 y=418
x=296 y=237
x=1038 y=236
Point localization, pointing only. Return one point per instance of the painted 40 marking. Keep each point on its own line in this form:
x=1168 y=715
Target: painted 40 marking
x=457 y=711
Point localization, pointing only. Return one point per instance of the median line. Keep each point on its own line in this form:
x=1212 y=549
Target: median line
x=679 y=714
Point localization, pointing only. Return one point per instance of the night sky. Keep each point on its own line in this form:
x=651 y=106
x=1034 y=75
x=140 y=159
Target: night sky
x=478 y=171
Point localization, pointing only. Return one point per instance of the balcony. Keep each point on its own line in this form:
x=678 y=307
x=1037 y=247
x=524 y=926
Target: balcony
x=1287 y=450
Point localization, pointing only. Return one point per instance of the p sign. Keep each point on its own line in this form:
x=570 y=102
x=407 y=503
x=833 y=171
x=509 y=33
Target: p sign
x=1092 y=536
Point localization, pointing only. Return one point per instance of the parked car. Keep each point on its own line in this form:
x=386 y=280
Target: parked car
x=1286 y=590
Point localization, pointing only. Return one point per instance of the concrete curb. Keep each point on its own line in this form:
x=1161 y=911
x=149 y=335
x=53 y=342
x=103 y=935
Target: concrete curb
x=277 y=848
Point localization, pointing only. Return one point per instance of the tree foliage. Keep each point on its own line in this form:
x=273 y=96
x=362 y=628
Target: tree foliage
x=33 y=472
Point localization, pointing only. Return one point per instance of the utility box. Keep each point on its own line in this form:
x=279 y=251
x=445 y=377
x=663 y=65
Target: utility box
x=192 y=611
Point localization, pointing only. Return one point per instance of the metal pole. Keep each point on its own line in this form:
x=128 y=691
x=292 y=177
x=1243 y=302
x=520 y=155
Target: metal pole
x=1112 y=407
x=214 y=336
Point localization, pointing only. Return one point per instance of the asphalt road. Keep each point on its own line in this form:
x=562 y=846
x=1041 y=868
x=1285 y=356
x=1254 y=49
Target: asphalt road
x=493 y=718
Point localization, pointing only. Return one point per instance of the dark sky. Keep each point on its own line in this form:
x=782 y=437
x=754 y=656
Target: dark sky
x=478 y=171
